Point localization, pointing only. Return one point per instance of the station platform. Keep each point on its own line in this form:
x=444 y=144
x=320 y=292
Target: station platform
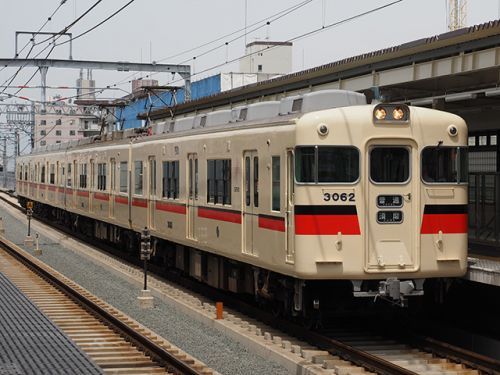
x=483 y=270
x=30 y=343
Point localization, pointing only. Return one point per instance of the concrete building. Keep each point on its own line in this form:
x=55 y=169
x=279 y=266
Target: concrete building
x=267 y=57
x=86 y=87
x=63 y=122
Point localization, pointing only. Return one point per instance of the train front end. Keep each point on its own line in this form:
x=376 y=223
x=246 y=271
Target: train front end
x=380 y=198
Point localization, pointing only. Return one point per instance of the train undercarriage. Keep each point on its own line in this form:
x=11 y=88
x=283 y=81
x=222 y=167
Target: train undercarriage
x=283 y=295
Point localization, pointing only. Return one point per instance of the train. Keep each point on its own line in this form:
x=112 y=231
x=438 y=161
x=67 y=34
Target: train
x=298 y=202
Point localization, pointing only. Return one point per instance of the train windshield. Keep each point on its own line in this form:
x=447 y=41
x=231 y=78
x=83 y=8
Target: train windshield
x=390 y=164
x=445 y=164
x=326 y=164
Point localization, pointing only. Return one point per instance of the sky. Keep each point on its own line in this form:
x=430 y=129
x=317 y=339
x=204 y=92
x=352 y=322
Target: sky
x=158 y=30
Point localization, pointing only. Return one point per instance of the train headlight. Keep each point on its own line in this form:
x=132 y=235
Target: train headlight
x=398 y=113
x=391 y=113
x=380 y=114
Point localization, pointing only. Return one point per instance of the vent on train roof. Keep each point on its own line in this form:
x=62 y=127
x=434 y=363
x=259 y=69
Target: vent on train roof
x=184 y=124
x=297 y=105
x=216 y=118
x=259 y=111
x=243 y=114
x=319 y=100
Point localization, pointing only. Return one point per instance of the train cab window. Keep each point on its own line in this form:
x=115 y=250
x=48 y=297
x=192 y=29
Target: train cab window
x=338 y=164
x=123 y=177
x=138 y=177
x=101 y=176
x=219 y=181
x=390 y=164
x=275 y=188
x=305 y=164
x=170 y=179
x=327 y=164
x=445 y=165
x=68 y=183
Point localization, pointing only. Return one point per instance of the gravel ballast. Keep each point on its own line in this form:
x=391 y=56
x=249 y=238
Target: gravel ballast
x=222 y=353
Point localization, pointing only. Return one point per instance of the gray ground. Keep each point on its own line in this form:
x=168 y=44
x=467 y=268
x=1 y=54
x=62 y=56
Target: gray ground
x=222 y=353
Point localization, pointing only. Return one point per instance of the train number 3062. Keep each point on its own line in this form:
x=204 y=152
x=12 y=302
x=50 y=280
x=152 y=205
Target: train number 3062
x=335 y=197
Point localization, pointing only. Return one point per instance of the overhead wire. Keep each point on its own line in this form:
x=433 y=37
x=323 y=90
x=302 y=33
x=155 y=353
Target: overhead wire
x=298 y=37
x=287 y=10
x=36 y=33
x=97 y=25
x=54 y=44
x=54 y=38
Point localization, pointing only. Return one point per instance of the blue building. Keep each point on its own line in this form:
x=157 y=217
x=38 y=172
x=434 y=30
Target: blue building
x=143 y=102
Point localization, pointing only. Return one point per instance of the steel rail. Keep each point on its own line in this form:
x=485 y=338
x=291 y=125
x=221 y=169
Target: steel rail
x=157 y=353
x=358 y=357
x=474 y=360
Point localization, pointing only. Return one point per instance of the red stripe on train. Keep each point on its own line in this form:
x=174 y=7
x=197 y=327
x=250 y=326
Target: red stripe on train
x=139 y=202
x=447 y=223
x=223 y=215
x=272 y=223
x=171 y=207
x=123 y=200
x=326 y=224
x=101 y=196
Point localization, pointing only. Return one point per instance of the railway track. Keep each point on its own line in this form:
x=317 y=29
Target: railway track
x=116 y=343
x=375 y=353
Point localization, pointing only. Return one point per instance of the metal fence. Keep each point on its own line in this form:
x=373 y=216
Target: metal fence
x=484 y=209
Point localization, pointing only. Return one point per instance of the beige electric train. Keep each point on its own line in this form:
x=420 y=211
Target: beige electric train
x=299 y=201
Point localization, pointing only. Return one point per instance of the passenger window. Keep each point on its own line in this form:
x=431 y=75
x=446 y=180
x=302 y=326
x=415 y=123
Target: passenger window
x=68 y=184
x=101 y=176
x=390 y=164
x=170 y=180
x=123 y=177
x=275 y=204
x=247 y=181
x=138 y=177
x=83 y=176
x=256 y=182
x=219 y=181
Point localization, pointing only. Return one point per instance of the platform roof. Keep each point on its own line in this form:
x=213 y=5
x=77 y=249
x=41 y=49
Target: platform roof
x=442 y=46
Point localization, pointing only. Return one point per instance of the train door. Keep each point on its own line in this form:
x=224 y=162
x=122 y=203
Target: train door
x=250 y=200
x=192 y=184
x=392 y=206
x=112 y=190
x=151 y=192
x=289 y=195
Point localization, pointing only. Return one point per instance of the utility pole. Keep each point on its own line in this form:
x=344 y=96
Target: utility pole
x=17 y=148
x=457 y=16
x=5 y=162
